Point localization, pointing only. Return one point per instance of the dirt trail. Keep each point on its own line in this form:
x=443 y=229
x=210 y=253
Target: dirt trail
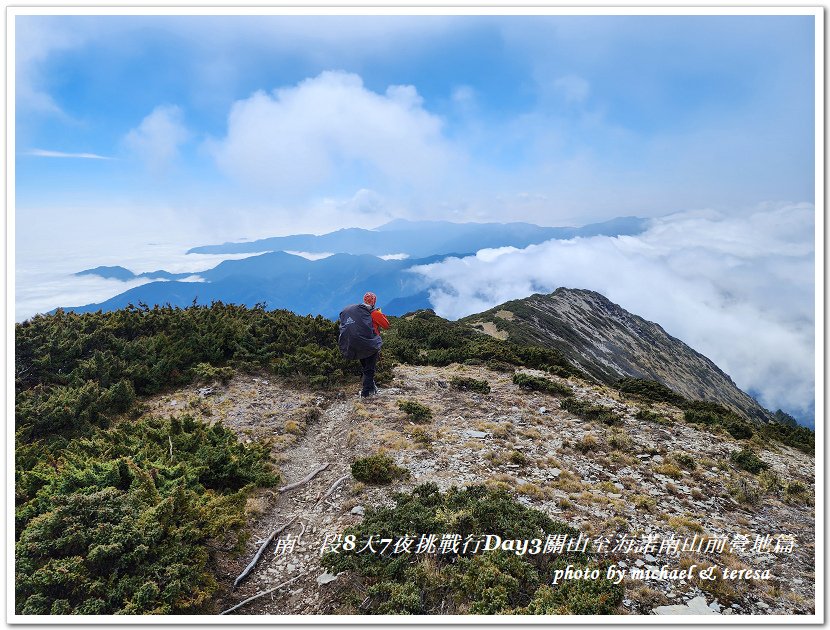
x=580 y=472
x=296 y=551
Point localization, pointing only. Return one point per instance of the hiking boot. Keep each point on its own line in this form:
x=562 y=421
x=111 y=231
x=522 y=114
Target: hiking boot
x=369 y=394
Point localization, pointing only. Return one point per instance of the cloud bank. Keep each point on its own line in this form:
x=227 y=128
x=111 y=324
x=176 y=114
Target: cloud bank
x=737 y=288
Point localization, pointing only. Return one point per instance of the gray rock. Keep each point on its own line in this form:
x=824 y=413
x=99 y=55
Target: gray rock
x=763 y=605
x=657 y=459
x=650 y=558
x=543 y=409
x=714 y=605
x=325 y=578
x=554 y=472
x=358 y=510
x=472 y=433
x=696 y=606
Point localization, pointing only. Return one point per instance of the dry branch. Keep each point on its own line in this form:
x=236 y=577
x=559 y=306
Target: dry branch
x=304 y=480
x=258 y=595
x=331 y=489
x=258 y=554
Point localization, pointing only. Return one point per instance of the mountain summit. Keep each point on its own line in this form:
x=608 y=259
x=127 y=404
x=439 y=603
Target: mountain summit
x=610 y=343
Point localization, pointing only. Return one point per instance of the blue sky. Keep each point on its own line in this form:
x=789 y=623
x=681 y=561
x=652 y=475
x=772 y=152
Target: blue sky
x=549 y=119
x=138 y=137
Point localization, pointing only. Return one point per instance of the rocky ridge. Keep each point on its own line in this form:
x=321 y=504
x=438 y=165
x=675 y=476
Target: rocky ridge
x=606 y=481
x=609 y=343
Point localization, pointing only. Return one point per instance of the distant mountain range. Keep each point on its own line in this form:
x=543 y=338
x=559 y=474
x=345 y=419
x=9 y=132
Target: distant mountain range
x=281 y=280
x=121 y=273
x=322 y=287
x=426 y=238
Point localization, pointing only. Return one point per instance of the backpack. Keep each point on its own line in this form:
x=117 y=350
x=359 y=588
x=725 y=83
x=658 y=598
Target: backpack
x=357 y=339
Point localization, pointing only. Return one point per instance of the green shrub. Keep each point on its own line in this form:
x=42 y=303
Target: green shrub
x=455 y=581
x=589 y=411
x=118 y=525
x=499 y=366
x=712 y=414
x=650 y=391
x=416 y=411
x=207 y=373
x=577 y=597
x=535 y=383
x=748 y=460
x=426 y=339
x=801 y=438
x=472 y=384
x=377 y=469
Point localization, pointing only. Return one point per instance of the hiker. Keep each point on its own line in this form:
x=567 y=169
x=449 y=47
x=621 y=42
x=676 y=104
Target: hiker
x=360 y=326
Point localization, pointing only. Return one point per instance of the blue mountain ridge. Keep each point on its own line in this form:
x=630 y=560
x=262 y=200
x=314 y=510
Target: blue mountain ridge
x=324 y=286
x=425 y=238
x=124 y=274
x=280 y=280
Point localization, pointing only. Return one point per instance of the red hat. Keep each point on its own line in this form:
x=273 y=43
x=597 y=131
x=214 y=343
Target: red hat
x=370 y=298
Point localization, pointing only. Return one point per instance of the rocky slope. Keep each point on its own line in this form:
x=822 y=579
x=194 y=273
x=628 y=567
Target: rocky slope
x=632 y=479
x=609 y=343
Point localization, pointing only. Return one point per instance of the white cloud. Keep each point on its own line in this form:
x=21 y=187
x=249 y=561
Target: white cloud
x=36 y=39
x=61 y=154
x=158 y=138
x=573 y=88
x=330 y=128
x=738 y=288
x=464 y=97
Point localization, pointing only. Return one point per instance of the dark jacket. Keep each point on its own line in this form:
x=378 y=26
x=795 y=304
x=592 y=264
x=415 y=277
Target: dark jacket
x=357 y=338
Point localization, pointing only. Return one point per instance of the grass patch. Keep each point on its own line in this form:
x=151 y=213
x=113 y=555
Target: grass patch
x=744 y=491
x=587 y=444
x=684 y=459
x=669 y=470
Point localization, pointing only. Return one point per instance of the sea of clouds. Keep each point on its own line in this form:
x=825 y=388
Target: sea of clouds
x=739 y=288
